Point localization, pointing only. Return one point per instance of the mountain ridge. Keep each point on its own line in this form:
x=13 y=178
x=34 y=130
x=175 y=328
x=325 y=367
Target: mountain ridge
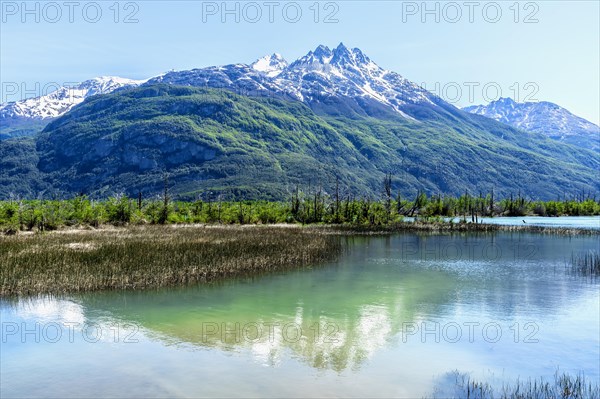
x=319 y=78
x=542 y=117
x=340 y=81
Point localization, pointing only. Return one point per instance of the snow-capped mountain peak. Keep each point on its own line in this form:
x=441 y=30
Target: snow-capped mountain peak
x=322 y=77
x=341 y=56
x=58 y=102
x=542 y=117
x=344 y=72
x=270 y=65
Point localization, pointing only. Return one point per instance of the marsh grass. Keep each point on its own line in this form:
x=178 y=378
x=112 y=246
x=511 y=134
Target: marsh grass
x=564 y=386
x=586 y=264
x=142 y=257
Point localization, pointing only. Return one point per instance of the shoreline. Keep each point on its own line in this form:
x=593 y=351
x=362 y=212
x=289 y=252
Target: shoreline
x=442 y=227
x=340 y=229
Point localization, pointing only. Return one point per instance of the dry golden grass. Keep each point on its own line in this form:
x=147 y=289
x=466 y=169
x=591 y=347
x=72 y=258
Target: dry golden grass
x=153 y=256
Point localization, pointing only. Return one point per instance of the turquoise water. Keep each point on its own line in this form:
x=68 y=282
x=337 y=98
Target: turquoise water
x=587 y=222
x=392 y=318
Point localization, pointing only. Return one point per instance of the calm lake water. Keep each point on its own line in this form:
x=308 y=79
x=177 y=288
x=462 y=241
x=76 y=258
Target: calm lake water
x=587 y=222
x=392 y=318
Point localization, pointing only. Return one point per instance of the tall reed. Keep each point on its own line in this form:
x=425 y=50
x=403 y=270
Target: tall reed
x=563 y=386
x=586 y=264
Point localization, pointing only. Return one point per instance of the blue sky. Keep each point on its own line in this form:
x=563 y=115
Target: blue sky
x=542 y=50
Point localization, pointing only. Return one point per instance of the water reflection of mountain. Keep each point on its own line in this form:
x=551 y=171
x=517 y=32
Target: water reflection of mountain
x=366 y=297
x=343 y=321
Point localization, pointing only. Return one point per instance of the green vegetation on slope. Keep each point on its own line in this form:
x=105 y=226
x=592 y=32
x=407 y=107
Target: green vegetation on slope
x=214 y=141
x=21 y=128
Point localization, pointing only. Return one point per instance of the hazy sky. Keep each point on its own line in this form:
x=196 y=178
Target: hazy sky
x=467 y=52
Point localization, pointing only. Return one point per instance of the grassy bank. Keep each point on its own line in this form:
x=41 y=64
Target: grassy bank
x=142 y=257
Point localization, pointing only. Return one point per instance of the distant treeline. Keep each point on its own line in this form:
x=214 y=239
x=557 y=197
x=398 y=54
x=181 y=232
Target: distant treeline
x=303 y=208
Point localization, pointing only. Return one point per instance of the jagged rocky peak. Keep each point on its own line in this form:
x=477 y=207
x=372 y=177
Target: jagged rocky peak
x=320 y=56
x=323 y=54
x=340 y=56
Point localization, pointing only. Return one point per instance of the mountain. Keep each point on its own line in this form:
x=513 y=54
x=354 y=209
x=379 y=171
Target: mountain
x=542 y=117
x=216 y=141
x=25 y=117
x=341 y=81
x=258 y=130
